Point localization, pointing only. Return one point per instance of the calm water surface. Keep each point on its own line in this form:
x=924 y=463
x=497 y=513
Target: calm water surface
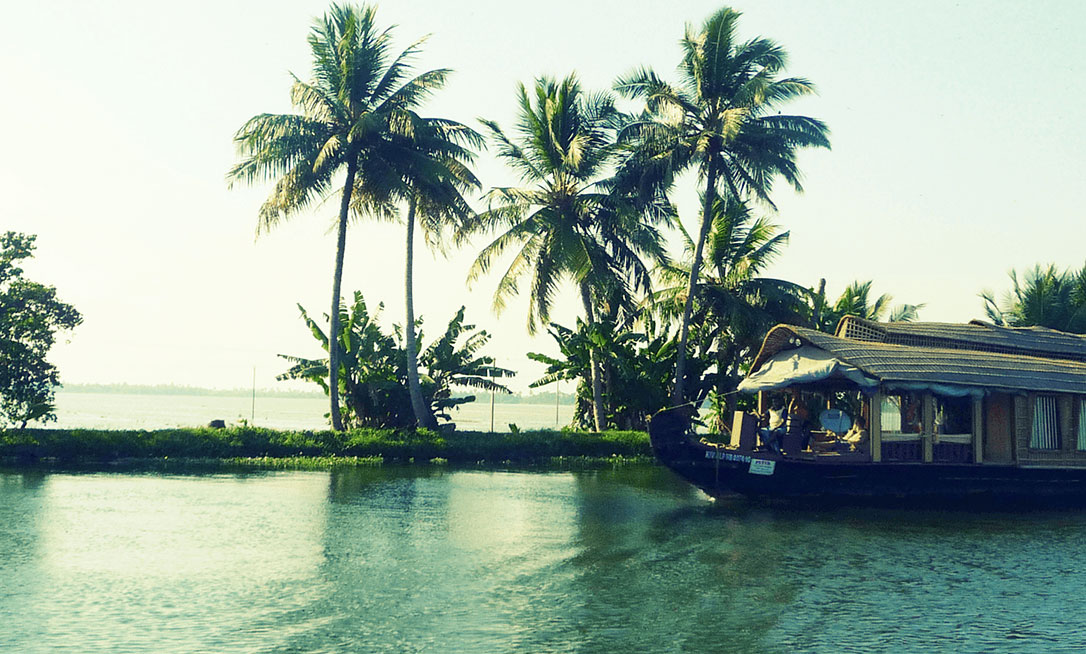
x=149 y=411
x=435 y=560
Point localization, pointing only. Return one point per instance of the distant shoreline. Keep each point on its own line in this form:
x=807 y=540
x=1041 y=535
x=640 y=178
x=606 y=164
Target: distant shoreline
x=564 y=399
x=170 y=389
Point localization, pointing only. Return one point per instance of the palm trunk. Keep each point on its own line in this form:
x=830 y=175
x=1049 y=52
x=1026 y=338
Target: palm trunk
x=684 y=330
x=337 y=280
x=423 y=416
x=598 y=411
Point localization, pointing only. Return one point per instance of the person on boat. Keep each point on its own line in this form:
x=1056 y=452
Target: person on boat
x=857 y=436
x=799 y=420
x=774 y=430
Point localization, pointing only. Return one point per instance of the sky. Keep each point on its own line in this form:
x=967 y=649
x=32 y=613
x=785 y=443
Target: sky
x=959 y=149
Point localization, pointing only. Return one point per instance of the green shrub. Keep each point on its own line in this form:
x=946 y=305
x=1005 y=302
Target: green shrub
x=358 y=444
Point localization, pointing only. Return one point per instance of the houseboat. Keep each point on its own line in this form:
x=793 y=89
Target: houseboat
x=916 y=413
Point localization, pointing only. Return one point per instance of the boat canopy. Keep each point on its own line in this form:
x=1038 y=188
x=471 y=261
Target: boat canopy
x=803 y=365
x=964 y=360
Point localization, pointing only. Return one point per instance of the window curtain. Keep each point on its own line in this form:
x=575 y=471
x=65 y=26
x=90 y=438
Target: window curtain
x=1046 y=424
x=1082 y=424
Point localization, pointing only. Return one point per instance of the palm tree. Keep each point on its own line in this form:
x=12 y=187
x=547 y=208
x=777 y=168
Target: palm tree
x=572 y=220
x=1046 y=297
x=722 y=119
x=435 y=181
x=856 y=300
x=734 y=303
x=354 y=116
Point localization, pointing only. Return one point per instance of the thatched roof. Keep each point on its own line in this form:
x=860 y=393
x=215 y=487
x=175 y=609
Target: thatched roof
x=960 y=361
x=976 y=335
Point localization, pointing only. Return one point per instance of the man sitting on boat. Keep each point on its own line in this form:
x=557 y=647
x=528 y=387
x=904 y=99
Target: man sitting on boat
x=798 y=423
x=772 y=434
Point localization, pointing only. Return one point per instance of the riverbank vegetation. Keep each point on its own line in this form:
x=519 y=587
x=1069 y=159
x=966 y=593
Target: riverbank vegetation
x=31 y=315
x=273 y=448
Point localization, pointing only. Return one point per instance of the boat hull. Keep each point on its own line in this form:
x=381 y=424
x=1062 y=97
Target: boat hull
x=721 y=471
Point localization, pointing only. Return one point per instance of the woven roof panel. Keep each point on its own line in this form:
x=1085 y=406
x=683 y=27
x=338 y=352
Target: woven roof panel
x=1035 y=341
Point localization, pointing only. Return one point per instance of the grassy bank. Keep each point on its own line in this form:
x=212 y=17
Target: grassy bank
x=268 y=448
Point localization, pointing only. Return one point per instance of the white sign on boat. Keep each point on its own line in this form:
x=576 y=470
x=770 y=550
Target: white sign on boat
x=762 y=467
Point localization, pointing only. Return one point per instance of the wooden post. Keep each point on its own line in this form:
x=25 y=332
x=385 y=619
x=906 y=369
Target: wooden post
x=557 y=396
x=763 y=404
x=978 y=430
x=874 y=426
x=928 y=427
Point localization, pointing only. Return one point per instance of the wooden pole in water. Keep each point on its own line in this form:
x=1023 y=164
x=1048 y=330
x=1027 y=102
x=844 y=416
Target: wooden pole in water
x=252 y=415
x=490 y=374
x=557 y=394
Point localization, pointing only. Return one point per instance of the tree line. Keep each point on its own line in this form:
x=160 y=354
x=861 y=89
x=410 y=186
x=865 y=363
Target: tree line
x=593 y=210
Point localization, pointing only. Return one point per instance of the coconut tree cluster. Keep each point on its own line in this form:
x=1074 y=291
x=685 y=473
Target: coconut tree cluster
x=592 y=212
x=1044 y=296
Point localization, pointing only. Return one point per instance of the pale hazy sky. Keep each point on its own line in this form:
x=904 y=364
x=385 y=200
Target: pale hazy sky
x=959 y=149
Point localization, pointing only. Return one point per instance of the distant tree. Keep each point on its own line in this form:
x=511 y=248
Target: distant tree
x=856 y=300
x=723 y=120
x=357 y=116
x=30 y=317
x=373 y=384
x=1045 y=297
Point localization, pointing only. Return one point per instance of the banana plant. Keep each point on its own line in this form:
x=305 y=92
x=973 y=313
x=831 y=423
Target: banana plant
x=373 y=368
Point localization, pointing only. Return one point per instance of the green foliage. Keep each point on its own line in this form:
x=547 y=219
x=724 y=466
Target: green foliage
x=373 y=373
x=735 y=305
x=357 y=111
x=357 y=114
x=30 y=317
x=724 y=120
x=1045 y=297
x=572 y=220
x=284 y=448
x=637 y=369
x=855 y=300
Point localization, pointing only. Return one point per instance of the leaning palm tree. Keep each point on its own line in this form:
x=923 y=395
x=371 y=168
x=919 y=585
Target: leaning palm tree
x=735 y=303
x=435 y=181
x=353 y=117
x=721 y=119
x=572 y=220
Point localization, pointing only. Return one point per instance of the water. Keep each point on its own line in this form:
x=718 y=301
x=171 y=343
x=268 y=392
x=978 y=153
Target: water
x=140 y=411
x=435 y=560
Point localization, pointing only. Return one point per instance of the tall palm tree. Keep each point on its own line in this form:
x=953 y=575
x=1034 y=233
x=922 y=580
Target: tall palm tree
x=572 y=220
x=354 y=117
x=735 y=303
x=436 y=179
x=722 y=119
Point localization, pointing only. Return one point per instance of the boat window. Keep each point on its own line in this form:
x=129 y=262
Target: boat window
x=953 y=415
x=901 y=414
x=1082 y=424
x=1046 y=424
